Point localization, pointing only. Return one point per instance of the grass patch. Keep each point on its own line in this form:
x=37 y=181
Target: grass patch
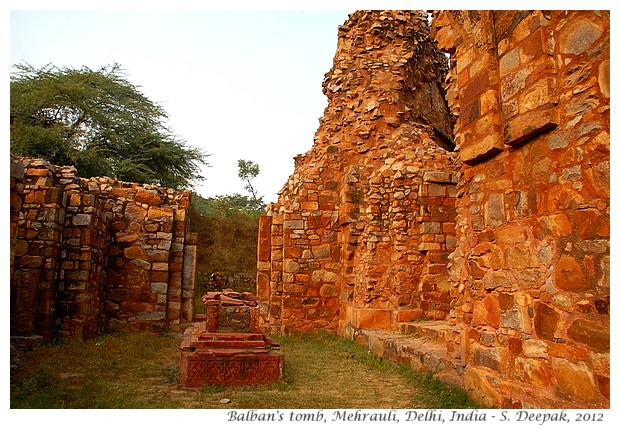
x=140 y=370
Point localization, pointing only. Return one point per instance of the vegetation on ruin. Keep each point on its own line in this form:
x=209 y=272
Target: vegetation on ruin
x=99 y=122
x=228 y=236
x=140 y=370
x=228 y=229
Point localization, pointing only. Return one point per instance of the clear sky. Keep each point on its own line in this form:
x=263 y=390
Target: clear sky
x=238 y=84
x=239 y=79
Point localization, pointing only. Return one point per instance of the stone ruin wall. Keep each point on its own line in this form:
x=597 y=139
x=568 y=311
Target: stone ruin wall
x=531 y=269
x=506 y=237
x=369 y=211
x=94 y=255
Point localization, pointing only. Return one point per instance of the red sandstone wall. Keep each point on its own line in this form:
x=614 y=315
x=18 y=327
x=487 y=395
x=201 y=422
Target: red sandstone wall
x=362 y=228
x=532 y=266
x=95 y=254
x=507 y=237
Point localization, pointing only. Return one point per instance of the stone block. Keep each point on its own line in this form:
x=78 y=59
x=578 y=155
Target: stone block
x=533 y=348
x=511 y=234
x=556 y=225
x=159 y=287
x=437 y=177
x=134 y=252
x=574 y=379
x=488 y=146
x=494 y=212
x=532 y=371
x=328 y=290
x=604 y=78
x=135 y=212
x=568 y=275
x=124 y=237
x=480 y=384
x=325 y=276
x=578 y=36
x=592 y=334
x=496 y=279
x=371 y=318
x=487 y=312
x=148 y=197
x=82 y=220
x=290 y=266
x=294 y=224
x=160 y=214
x=495 y=358
x=545 y=321
x=517 y=319
x=321 y=252
x=526 y=126
x=408 y=315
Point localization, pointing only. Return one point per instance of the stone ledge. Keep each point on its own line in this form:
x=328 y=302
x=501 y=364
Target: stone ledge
x=437 y=330
x=422 y=354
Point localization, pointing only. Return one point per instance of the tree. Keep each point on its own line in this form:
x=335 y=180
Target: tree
x=99 y=122
x=248 y=170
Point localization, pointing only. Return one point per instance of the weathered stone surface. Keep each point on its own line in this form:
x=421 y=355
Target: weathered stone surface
x=574 y=379
x=487 y=312
x=149 y=197
x=89 y=239
x=532 y=371
x=568 y=275
x=535 y=348
x=545 y=321
x=590 y=333
x=523 y=237
x=495 y=358
x=578 y=36
x=479 y=383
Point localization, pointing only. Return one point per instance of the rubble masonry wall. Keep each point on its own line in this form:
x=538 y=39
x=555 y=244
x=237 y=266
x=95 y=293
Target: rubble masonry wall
x=89 y=255
x=494 y=217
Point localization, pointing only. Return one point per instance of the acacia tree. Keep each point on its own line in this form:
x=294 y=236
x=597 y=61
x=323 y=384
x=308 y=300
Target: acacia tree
x=99 y=122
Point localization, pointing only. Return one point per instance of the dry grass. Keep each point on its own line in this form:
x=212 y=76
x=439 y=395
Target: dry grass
x=140 y=371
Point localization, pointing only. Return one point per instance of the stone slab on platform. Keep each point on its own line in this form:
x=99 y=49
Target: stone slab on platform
x=230 y=311
x=225 y=358
x=437 y=330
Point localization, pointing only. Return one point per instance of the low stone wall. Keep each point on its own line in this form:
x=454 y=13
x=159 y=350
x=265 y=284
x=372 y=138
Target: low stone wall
x=95 y=254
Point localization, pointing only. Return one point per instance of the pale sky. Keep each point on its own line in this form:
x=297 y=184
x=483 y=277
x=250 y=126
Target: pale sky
x=240 y=80
x=237 y=84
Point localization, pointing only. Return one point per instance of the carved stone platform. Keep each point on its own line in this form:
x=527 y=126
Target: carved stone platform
x=223 y=358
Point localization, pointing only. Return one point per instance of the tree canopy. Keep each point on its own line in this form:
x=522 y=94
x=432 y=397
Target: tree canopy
x=99 y=122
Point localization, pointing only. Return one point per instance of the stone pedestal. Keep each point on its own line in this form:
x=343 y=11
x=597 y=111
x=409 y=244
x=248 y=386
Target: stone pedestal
x=221 y=358
x=227 y=348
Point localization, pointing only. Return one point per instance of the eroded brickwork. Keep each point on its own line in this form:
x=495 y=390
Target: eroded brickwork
x=362 y=226
x=505 y=240
x=95 y=254
x=532 y=266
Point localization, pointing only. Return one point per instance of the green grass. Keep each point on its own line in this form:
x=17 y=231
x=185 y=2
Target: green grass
x=140 y=371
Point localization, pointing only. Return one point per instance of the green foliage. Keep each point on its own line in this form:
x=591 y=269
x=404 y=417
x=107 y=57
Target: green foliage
x=227 y=228
x=228 y=205
x=248 y=170
x=99 y=122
